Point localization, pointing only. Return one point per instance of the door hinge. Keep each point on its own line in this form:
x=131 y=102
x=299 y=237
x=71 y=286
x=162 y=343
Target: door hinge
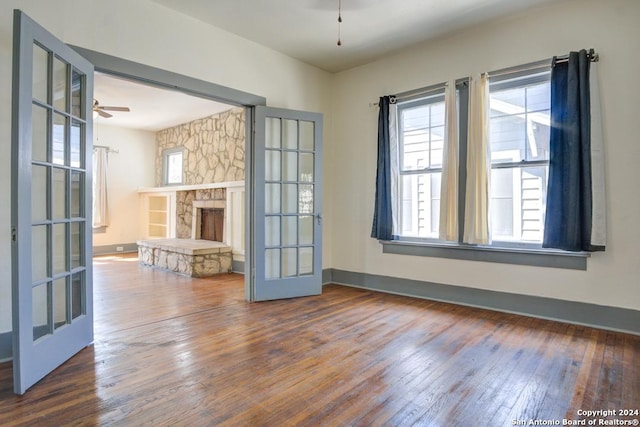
x=14 y=235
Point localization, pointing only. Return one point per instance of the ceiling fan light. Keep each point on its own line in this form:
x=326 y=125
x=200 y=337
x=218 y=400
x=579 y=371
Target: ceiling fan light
x=95 y=114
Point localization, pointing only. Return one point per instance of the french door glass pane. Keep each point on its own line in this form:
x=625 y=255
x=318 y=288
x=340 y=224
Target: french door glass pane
x=60 y=89
x=77 y=87
x=272 y=231
x=272 y=130
x=272 y=263
x=59 y=302
x=76 y=244
x=289 y=262
x=306 y=229
x=77 y=180
x=58 y=193
x=289 y=230
x=40 y=310
x=39 y=179
x=40 y=67
x=307 y=130
x=59 y=248
x=290 y=198
x=306 y=260
x=306 y=167
x=272 y=165
x=77 y=295
x=59 y=139
x=39 y=133
x=290 y=134
x=75 y=148
x=306 y=198
x=290 y=166
x=272 y=198
x=39 y=264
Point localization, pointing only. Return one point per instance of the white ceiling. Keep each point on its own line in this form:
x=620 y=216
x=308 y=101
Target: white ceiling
x=308 y=29
x=303 y=29
x=152 y=109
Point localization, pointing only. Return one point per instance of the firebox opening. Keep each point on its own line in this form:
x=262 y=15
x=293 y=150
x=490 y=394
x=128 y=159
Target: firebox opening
x=212 y=224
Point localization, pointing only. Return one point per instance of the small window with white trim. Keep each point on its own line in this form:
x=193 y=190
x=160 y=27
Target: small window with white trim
x=172 y=161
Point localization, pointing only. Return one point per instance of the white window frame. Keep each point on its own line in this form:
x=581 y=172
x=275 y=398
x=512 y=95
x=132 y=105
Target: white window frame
x=500 y=251
x=166 y=155
x=434 y=98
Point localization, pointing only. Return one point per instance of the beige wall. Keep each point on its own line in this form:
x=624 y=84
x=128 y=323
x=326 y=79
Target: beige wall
x=130 y=168
x=144 y=32
x=611 y=27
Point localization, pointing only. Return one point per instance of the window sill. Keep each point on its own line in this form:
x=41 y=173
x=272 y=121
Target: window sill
x=519 y=256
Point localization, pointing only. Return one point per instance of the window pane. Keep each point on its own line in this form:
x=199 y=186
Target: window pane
x=77 y=90
x=422 y=136
x=508 y=136
x=59 y=193
x=518 y=200
x=420 y=207
x=174 y=168
x=76 y=244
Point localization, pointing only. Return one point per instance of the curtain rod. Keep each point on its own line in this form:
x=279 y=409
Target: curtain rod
x=109 y=149
x=592 y=55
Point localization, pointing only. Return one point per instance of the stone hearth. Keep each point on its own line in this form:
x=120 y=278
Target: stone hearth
x=195 y=258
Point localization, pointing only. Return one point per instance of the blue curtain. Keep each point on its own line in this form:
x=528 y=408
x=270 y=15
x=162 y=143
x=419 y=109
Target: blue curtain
x=568 y=214
x=382 y=228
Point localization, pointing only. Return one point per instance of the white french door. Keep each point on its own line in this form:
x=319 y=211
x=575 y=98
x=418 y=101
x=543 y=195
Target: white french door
x=50 y=203
x=287 y=198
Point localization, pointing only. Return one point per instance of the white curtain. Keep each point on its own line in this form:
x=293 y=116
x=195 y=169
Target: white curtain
x=476 y=219
x=598 y=211
x=449 y=183
x=100 y=199
x=395 y=174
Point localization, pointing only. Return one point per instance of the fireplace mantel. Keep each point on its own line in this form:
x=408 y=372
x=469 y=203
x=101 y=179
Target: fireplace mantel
x=176 y=188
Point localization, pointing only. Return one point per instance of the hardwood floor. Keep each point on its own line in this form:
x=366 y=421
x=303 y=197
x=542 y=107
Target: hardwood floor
x=171 y=350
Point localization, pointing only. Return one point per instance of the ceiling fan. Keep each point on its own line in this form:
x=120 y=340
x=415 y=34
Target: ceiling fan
x=102 y=110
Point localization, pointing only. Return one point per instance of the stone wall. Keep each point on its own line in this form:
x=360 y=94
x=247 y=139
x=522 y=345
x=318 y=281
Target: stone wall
x=213 y=148
x=184 y=208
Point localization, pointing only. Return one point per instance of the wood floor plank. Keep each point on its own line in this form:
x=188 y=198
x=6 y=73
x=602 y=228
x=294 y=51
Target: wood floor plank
x=172 y=350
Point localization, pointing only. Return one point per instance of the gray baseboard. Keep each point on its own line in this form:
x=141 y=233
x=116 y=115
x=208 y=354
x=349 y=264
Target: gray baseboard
x=597 y=316
x=6 y=346
x=237 y=266
x=113 y=249
x=326 y=276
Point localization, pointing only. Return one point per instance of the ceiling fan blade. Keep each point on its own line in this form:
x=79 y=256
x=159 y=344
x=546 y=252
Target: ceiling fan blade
x=114 y=108
x=103 y=114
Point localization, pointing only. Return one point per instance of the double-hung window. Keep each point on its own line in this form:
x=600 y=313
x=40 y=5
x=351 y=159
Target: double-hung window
x=421 y=128
x=519 y=143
